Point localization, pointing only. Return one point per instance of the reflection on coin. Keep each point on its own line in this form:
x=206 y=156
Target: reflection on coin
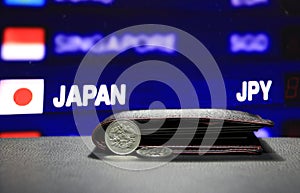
x=154 y=152
x=122 y=137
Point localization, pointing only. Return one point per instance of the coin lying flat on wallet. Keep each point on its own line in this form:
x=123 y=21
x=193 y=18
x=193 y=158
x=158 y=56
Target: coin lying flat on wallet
x=154 y=152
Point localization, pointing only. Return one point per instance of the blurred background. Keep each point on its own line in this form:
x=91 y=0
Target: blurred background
x=44 y=41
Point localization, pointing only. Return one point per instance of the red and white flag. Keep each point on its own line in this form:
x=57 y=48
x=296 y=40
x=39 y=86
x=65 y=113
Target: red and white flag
x=23 y=43
x=21 y=96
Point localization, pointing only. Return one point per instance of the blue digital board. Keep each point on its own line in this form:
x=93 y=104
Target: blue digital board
x=256 y=45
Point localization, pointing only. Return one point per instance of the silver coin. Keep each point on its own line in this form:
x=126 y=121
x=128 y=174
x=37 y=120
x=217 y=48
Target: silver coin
x=122 y=137
x=154 y=152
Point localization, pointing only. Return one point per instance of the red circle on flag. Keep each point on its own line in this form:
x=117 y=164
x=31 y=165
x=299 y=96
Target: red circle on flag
x=23 y=96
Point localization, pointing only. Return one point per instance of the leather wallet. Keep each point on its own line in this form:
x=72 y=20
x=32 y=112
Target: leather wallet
x=185 y=131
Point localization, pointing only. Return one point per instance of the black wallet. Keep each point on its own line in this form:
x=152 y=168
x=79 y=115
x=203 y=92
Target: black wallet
x=185 y=131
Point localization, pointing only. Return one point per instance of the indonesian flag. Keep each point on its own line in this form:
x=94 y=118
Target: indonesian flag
x=23 y=43
x=21 y=96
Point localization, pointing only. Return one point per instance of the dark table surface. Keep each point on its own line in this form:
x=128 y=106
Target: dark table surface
x=67 y=164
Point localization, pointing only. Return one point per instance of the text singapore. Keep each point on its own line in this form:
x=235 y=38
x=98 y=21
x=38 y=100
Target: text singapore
x=142 y=43
x=90 y=93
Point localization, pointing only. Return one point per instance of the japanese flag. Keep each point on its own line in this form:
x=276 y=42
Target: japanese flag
x=21 y=96
x=23 y=43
